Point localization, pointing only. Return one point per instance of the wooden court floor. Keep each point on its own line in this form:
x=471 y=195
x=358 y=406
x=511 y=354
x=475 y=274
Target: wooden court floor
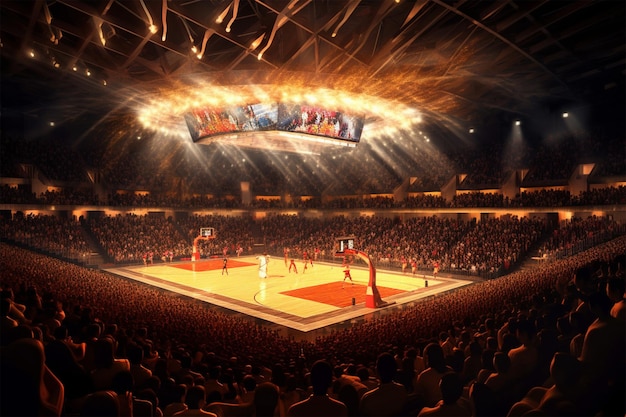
x=309 y=300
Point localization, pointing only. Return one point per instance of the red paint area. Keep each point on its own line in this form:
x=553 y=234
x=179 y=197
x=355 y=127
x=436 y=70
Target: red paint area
x=334 y=295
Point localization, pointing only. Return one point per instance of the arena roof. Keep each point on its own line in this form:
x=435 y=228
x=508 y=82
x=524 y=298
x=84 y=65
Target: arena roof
x=459 y=63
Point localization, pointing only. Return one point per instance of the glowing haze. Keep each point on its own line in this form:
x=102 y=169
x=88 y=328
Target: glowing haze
x=163 y=112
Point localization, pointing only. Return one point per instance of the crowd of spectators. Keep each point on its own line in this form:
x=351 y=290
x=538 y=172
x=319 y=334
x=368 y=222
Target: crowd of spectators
x=486 y=248
x=56 y=235
x=69 y=196
x=601 y=196
x=178 y=176
x=425 y=201
x=547 y=341
x=235 y=235
x=161 y=166
x=490 y=169
x=133 y=238
x=17 y=195
x=575 y=234
x=539 y=198
x=570 y=153
x=546 y=198
x=479 y=199
x=54 y=162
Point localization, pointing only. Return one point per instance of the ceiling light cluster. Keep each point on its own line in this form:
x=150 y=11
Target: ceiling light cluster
x=43 y=55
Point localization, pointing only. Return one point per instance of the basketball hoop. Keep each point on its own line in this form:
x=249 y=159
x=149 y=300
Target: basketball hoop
x=206 y=233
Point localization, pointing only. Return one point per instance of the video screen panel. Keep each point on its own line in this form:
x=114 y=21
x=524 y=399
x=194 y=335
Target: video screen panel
x=209 y=121
x=287 y=117
x=314 y=120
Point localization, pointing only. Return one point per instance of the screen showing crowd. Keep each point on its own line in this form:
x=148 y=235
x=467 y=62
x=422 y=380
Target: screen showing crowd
x=300 y=118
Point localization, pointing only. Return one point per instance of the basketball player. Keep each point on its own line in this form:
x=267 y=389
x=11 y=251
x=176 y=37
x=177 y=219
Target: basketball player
x=263 y=261
x=346 y=275
x=292 y=264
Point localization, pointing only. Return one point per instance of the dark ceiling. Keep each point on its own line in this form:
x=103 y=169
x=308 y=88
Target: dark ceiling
x=458 y=62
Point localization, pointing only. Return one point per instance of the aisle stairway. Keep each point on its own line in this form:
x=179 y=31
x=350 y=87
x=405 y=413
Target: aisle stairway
x=259 y=238
x=97 y=255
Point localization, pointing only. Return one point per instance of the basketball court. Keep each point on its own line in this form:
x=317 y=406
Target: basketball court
x=308 y=300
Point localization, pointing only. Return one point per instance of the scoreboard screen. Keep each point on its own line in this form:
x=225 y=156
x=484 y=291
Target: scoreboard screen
x=340 y=125
x=344 y=243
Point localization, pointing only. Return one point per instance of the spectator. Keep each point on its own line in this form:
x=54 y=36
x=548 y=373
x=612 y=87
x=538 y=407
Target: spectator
x=178 y=405
x=106 y=404
x=451 y=403
x=390 y=397
x=603 y=358
x=615 y=290
x=140 y=373
x=524 y=358
x=562 y=397
x=29 y=387
x=427 y=386
x=106 y=365
x=319 y=403
x=195 y=401
x=76 y=380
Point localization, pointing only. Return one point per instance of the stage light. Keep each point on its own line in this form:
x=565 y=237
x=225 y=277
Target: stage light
x=207 y=35
x=151 y=26
x=351 y=7
x=280 y=21
x=518 y=122
x=191 y=40
x=471 y=130
x=257 y=42
x=235 y=11
x=565 y=115
x=164 y=20
x=221 y=17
